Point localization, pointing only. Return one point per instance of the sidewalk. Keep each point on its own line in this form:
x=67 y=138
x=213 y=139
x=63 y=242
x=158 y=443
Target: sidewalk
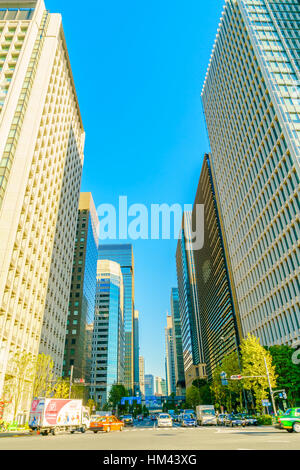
x=14 y=434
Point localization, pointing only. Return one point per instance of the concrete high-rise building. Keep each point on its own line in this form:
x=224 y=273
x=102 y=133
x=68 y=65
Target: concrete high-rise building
x=108 y=337
x=149 y=385
x=219 y=320
x=177 y=337
x=170 y=357
x=142 y=375
x=41 y=159
x=136 y=349
x=160 y=387
x=251 y=99
x=83 y=289
x=123 y=254
x=193 y=357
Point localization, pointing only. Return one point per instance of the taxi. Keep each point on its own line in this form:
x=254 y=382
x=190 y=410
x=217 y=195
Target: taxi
x=106 y=424
x=290 y=420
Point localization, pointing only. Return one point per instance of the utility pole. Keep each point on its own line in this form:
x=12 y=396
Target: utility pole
x=270 y=386
x=71 y=380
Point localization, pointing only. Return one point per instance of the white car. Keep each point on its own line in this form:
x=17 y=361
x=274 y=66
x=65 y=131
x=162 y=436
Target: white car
x=164 y=420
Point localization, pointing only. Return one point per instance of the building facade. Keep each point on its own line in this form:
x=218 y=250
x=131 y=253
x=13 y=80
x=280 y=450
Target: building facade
x=136 y=342
x=177 y=336
x=142 y=375
x=41 y=159
x=108 y=335
x=193 y=357
x=219 y=320
x=123 y=254
x=170 y=357
x=149 y=385
x=83 y=290
x=251 y=101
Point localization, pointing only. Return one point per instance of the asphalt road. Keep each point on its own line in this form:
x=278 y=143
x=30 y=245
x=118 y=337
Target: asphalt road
x=145 y=436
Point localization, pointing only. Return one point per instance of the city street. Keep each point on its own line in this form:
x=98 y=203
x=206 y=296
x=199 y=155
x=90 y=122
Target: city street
x=145 y=436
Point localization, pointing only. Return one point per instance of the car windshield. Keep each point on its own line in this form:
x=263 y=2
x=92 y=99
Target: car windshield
x=288 y=412
x=188 y=417
x=127 y=417
x=164 y=417
x=209 y=412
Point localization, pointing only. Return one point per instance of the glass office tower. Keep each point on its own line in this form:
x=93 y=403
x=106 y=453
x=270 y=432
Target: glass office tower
x=170 y=357
x=123 y=254
x=83 y=290
x=251 y=100
x=136 y=349
x=219 y=321
x=108 y=336
x=193 y=357
x=149 y=385
x=177 y=336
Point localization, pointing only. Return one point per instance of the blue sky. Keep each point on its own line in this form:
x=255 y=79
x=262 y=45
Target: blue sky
x=139 y=68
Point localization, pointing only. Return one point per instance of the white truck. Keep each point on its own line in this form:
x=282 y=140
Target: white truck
x=50 y=415
x=206 y=415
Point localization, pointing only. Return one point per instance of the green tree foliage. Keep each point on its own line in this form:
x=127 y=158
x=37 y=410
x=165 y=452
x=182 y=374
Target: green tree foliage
x=19 y=380
x=43 y=382
x=192 y=397
x=117 y=392
x=288 y=373
x=91 y=404
x=204 y=391
x=253 y=355
x=218 y=390
x=61 y=389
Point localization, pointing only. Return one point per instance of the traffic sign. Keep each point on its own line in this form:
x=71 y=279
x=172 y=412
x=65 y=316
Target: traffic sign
x=265 y=403
x=236 y=377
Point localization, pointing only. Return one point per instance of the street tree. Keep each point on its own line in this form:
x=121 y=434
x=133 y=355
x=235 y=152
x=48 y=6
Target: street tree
x=117 y=392
x=204 y=391
x=253 y=355
x=19 y=383
x=43 y=382
x=61 y=389
x=192 y=396
x=288 y=373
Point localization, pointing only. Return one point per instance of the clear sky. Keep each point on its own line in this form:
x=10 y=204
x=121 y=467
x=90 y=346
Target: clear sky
x=139 y=68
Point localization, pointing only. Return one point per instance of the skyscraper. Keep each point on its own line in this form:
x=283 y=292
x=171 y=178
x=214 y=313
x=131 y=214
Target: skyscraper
x=251 y=99
x=170 y=361
x=193 y=357
x=149 y=385
x=142 y=375
x=123 y=254
x=136 y=343
x=219 y=320
x=41 y=158
x=177 y=337
x=83 y=289
x=108 y=336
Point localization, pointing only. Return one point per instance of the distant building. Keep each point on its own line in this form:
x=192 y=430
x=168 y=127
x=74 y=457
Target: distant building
x=149 y=385
x=123 y=255
x=177 y=337
x=142 y=375
x=136 y=349
x=108 y=336
x=83 y=289
x=193 y=357
x=170 y=359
